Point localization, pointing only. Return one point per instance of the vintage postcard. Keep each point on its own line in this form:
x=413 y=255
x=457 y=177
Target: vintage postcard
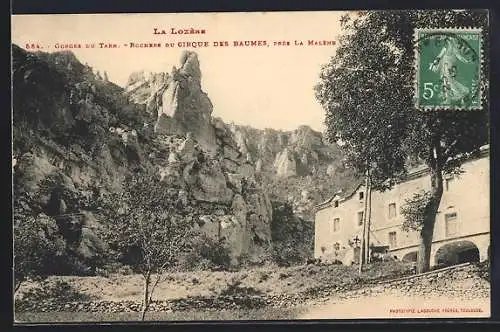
x=251 y=166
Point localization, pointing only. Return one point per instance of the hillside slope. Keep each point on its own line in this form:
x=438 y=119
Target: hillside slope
x=78 y=136
x=296 y=166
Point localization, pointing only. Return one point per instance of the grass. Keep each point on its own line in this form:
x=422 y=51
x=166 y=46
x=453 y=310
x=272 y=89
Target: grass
x=323 y=277
x=267 y=280
x=307 y=280
x=191 y=315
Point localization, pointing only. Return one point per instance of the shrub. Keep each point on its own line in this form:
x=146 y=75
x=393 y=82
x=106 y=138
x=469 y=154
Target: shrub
x=484 y=269
x=38 y=248
x=59 y=292
x=292 y=236
x=233 y=287
x=206 y=253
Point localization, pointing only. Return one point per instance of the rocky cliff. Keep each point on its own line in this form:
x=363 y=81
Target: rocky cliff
x=177 y=100
x=77 y=136
x=295 y=166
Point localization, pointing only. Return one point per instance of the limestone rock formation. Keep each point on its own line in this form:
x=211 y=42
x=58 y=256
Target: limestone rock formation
x=225 y=176
x=212 y=186
x=285 y=164
x=182 y=105
x=289 y=161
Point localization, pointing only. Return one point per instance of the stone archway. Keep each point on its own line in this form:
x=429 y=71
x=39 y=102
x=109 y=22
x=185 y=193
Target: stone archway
x=456 y=253
x=410 y=257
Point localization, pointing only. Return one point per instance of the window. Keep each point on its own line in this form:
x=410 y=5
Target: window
x=360 y=218
x=392 y=210
x=448 y=182
x=392 y=239
x=336 y=225
x=336 y=203
x=451 y=224
x=361 y=195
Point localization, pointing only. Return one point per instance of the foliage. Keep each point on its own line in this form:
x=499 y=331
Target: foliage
x=58 y=292
x=38 y=248
x=39 y=224
x=292 y=237
x=59 y=98
x=146 y=227
x=484 y=270
x=415 y=210
x=234 y=287
x=372 y=109
x=206 y=253
x=32 y=76
x=367 y=92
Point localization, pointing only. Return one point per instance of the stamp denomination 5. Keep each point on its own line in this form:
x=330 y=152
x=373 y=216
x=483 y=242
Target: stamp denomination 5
x=448 y=69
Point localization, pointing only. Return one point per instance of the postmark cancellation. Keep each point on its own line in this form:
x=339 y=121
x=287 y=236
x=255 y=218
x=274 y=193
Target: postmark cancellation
x=448 y=69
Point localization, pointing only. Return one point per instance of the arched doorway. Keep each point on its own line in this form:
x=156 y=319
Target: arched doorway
x=410 y=257
x=457 y=253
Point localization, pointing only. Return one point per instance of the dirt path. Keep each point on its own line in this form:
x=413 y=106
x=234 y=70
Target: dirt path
x=455 y=292
x=461 y=291
x=397 y=305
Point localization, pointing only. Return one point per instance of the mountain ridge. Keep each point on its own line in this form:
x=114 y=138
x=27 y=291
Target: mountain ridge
x=77 y=136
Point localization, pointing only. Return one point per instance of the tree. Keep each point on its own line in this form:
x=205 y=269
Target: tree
x=105 y=76
x=37 y=248
x=147 y=228
x=367 y=92
x=415 y=210
x=292 y=237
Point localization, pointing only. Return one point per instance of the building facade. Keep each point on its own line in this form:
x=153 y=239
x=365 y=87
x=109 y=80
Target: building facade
x=462 y=229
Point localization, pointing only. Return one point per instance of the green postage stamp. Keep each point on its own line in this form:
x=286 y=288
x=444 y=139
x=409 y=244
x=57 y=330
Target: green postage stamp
x=448 y=69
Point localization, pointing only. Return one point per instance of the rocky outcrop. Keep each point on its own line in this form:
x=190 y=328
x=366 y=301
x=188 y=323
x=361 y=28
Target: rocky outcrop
x=296 y=153
x=209 y=162
x=90 y=245
x=89 y=134
x=178 y=100
x=109 y=139
x=289 y=162
x=212 y=186
x=285 y=164
x=241 y=212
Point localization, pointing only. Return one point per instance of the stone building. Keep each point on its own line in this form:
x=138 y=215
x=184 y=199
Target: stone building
x=462 y=229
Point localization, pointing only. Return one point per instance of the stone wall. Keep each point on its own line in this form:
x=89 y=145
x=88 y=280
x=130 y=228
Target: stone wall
x=462 y=282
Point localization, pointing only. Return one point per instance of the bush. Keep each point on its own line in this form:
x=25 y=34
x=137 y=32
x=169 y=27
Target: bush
x=287 y=254
x=58 y=292
x=484 y=269
x=292 y=237
x=206 y=253
x=38 y=248
x=234 y=287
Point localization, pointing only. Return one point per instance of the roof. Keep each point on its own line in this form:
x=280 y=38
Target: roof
x=413 y=173
x=338 y=197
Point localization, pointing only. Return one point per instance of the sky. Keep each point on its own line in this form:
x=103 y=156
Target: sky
x=264 y=87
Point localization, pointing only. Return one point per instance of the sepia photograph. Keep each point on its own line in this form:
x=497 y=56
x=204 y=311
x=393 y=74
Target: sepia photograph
x=250 y=166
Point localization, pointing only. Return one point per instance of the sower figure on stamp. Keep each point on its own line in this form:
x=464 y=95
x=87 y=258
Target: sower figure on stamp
x=445 y=64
